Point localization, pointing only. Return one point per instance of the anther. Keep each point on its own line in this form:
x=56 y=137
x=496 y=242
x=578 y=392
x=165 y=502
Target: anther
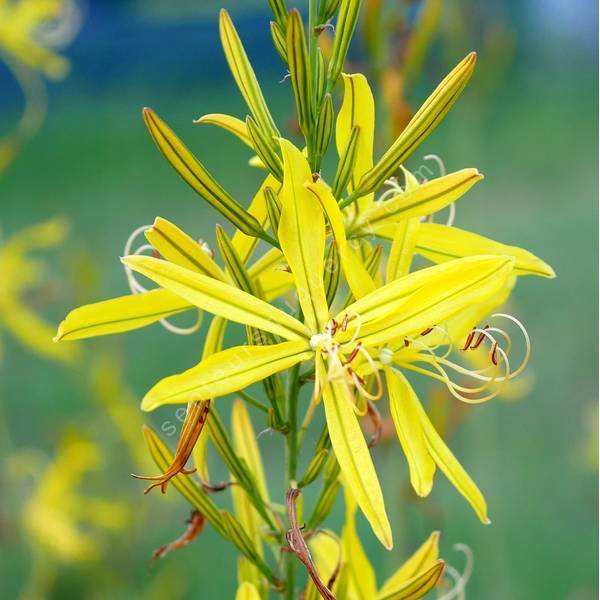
x=406 y=342
x=353 y=354
x=480 y=339
x=424 y=333
x=345 y=322
x=493 y=354
x=468 y=341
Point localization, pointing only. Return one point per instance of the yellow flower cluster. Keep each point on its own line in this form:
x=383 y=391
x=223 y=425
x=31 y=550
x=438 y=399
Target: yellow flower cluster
x=357 y=324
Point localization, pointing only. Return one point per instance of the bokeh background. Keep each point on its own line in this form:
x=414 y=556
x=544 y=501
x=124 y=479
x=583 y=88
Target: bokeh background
x=528 y=121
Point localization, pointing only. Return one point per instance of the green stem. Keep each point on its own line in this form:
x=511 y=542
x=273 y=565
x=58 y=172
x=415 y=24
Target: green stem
x=291 y=462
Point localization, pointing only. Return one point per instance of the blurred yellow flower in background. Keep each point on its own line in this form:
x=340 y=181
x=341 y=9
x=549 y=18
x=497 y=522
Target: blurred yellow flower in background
x=21 y=274
x=31 y=32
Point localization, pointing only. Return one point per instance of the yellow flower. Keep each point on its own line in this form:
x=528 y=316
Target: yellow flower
x=21 y=274
x=382 y=329
x=58 y=518
x=343 y=563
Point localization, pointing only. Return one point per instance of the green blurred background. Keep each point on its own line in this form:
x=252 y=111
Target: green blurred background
x=528 y=121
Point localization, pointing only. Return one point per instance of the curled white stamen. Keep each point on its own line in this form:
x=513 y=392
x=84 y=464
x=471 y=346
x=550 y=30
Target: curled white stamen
x=459 y=581
x=137 y=288
x=134 y=285
x=442 y=169
x=438 y=161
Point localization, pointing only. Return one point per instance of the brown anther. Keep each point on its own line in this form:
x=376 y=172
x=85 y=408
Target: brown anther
x=155 y=253
x=406 y=342
x=427 y=331
x=216 y=487
x=190 y=432
x=493 y=353
x=468 y=341
x=353 y=373
x=334 y=326
x=345 y=322
x=195 y=523
x=480 y=339
x=353 y=354
x=315 y=177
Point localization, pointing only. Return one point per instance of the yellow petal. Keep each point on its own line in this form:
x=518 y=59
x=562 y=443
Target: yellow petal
x=226 y=372
x=440 y=243
x=244 y=75
x=418 y=586
x=358 y=108
x=424 y=558
x=231 y=124
x=217 y=297
x=353 y=456
x=356 y=274
x=425 y=120
x=178 y=247
x=247 y=591
x=441 y=297
x=447 y=462
x=402 y=249
x=390 y=296
x=361 y=574
x=410 y=433
x=302 y=236
x=120 y=314
x=426 y=199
